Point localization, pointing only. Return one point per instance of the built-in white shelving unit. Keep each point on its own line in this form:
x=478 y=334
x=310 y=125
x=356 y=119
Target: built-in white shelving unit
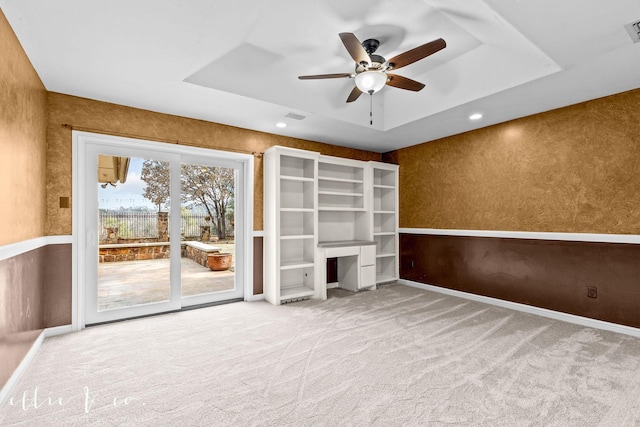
x=290 y=224
x=320 y=206
x=385 y=220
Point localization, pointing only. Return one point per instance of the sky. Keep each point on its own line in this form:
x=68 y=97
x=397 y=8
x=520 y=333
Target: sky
x=127 y=195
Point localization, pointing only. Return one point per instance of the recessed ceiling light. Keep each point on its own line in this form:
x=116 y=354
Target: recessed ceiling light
x=475 y=116
x=281 y=125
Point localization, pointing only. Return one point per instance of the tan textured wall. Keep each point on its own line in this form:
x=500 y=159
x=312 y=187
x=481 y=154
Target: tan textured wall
x=125 y=121
x=23 y=124
x=575 y=169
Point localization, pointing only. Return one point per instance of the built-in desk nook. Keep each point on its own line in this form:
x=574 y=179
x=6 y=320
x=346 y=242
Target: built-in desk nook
x=356 y=265
x=320 y=207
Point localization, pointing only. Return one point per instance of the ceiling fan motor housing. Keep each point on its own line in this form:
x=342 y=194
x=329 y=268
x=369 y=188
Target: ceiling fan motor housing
x=377 y=63
x=370 y=45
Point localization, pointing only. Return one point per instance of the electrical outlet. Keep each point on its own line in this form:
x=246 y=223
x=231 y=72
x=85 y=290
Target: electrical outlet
x=592 y=292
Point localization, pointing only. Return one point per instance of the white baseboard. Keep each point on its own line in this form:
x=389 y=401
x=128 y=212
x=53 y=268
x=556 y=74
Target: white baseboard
x=21 y=369
x=58 y=330
x=252 y=298
x=28 y=358
x=551 y=314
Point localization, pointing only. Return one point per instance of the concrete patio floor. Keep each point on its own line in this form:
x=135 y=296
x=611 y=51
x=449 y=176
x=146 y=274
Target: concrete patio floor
x=129 y=283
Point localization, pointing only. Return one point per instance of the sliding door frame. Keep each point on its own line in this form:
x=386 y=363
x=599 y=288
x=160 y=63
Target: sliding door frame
x=82 y=238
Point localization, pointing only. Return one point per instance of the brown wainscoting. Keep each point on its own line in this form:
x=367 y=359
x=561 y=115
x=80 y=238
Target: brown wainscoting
x=35 y=289
x=21 y=279
x=544 y=273
x=57 y=285
x=258 y=267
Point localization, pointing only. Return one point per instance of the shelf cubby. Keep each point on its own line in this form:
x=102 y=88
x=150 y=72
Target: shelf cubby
x=340 y=172
x=384 y=199
x=384 y=222
x=296 y=283
x=296 y=194
x=385 y=244
x=386 y=269
x=297 y=251
x=297 y=167
x=296 y=223
x=335 y=225
x=384 y=177
x=341 y=201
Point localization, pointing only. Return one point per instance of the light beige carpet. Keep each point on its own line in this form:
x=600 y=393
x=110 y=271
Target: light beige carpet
x=395 y=356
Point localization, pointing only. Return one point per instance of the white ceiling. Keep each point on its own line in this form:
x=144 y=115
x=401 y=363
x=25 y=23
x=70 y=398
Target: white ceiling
x=237 y=62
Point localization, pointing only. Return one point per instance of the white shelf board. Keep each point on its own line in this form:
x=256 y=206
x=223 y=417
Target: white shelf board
x=295 y=292
x=296 y=178
x=294 y=265
x=297 y=237
x=383 y=278
x=351 y=181
x=296 y=209
x=340 y=193
x=384 y=212
x=330 y=209
x=390 y=187
x=389 y=255
x=380 y=232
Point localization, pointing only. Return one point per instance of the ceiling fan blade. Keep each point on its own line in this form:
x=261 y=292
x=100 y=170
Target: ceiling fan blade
x=326 y=76
x=403 y=83
x=355 y=94
x=416 y=54
x=355 y=49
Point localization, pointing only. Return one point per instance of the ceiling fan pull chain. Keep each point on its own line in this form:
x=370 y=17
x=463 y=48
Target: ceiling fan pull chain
x=371 y=108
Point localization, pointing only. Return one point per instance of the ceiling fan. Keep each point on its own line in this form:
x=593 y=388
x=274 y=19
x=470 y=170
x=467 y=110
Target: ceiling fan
x=371 y=73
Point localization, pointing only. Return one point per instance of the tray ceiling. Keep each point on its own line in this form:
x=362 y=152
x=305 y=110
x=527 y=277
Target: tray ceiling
x=237 y=62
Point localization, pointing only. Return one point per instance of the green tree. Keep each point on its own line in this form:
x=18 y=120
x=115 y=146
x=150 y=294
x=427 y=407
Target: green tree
x=212 y=188
x=156 y=175
x=124 y=229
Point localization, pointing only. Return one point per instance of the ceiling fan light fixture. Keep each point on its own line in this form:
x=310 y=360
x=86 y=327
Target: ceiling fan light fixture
x=371 y=81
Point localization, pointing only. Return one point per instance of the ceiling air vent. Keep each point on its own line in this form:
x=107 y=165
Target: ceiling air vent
x=295 y=116
x=634 y=31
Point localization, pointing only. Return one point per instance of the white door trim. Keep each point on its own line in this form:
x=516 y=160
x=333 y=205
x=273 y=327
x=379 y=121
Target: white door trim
x=79 y=187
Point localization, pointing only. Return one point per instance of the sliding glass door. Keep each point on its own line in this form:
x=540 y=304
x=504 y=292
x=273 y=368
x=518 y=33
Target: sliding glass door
x=208 y=195
x=163 y=229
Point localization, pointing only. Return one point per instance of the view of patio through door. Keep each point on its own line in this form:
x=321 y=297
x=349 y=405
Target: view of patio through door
x=134 y=264
x=207 y=234
x=165 y=232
